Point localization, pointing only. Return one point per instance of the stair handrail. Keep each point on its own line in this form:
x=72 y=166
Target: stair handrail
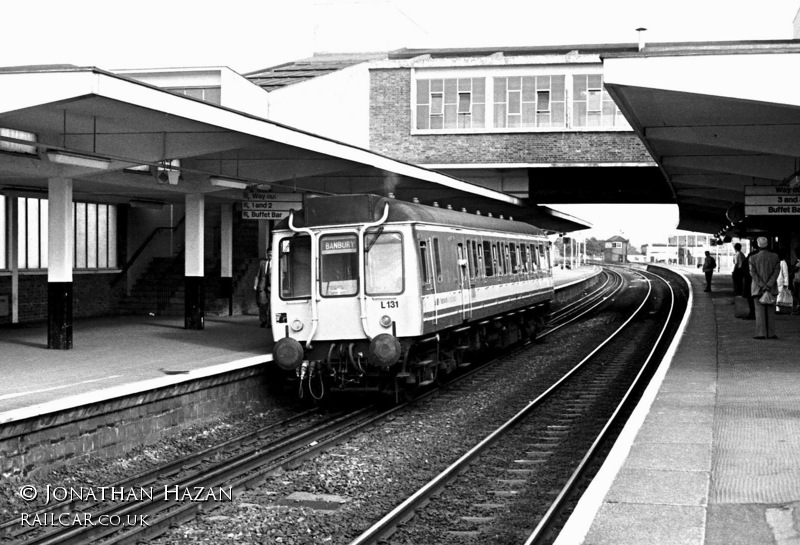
x=144 y=245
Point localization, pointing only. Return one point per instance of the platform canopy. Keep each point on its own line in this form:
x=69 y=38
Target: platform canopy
x=93 y=126
x=716 y=117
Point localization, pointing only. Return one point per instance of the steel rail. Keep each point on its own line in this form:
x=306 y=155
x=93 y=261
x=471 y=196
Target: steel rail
x=538 y=533
x=405 y=510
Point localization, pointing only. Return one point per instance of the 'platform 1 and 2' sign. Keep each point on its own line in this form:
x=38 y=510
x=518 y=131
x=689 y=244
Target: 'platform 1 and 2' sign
x=262 y=205
x=771 y=200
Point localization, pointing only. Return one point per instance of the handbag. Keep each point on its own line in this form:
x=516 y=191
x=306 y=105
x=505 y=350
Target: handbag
x=785 y=302
x=767 y=298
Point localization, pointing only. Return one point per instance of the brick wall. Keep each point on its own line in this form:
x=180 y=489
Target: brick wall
x=112 y=428
x=390 y=134
x=93 y=295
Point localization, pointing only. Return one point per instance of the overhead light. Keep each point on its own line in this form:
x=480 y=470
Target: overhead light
x=150 y=205
x=227 y=182
x=77 y=160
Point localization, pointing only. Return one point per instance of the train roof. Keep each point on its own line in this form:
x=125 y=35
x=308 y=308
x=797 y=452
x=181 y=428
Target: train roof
x=320 y=211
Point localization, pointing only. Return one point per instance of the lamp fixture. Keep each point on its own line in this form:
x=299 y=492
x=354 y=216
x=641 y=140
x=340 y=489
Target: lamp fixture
x=167 y=172
x=74 y=159
x=227 y=182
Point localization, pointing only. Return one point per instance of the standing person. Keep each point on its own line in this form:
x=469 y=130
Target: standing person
x=764 y=268
x=708 y=268
x=748 y=281
x=784 y=280
x=738 y=269
x=796 y=282
x=262 y=289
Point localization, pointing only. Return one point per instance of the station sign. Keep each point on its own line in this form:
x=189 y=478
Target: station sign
x=273 y=197
x=771 y=200
x=264 y=214
x=266 y=205
x=272 y=205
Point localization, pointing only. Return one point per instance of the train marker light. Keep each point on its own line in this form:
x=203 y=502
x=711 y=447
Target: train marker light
x=297 y=325
x=386 y=321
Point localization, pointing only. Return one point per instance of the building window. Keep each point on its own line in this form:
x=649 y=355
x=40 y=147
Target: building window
x=592 y=106
x=529 y=101
x=206 y=94
x=95 y=235
x=31 y=233
x=457 y=103
x=3 y=237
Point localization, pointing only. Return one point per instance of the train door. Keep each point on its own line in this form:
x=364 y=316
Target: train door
x=428 y=271
x=464 y=282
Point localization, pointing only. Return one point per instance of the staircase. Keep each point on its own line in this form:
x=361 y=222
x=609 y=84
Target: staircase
x=160 y=289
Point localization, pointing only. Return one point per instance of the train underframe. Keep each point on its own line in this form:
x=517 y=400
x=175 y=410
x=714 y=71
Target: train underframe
x=351 y=366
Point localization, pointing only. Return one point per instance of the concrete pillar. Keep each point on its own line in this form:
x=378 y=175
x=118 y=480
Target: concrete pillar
x=226 y=255
x=60 y=251
x=194 y=307
x=13 y=255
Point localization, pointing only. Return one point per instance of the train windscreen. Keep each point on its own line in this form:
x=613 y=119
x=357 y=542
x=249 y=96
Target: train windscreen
x=338 y=265
x=383 y=264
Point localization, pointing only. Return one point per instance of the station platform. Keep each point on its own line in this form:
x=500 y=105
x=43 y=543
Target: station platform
x=117 y=356
x=123 y=355
x=711 y=455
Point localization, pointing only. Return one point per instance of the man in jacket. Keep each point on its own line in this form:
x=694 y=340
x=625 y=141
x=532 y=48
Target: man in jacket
x=764 y=268
x=708 y=268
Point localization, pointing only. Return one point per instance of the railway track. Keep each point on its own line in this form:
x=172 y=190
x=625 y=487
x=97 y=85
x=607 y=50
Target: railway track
x=168 y=495
x=519 y=459
x=235 y=465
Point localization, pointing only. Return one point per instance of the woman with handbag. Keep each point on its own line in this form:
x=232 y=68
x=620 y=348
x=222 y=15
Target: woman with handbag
x=764 y=268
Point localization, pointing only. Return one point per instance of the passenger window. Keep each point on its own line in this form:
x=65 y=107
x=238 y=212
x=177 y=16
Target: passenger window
x=476 y=259
x=514 y=259
x=523 y=248
x=487 y=258
x=463 y=266
x=498 y=265
x=535 y=257
x=507 y=260
x=437 y=259
x=423 y=262
x=545 y=257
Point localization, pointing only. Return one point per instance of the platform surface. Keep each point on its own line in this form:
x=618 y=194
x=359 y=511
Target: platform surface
x=715 y=460
x=112 y=352
x=112 y=356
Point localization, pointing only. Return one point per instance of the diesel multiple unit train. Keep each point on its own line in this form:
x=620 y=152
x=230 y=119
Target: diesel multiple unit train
x=373 y=294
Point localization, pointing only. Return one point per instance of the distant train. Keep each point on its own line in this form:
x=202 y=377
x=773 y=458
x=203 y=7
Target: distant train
x=374 y=294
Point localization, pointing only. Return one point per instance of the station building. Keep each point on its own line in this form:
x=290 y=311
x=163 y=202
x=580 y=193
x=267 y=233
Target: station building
x=140 y=174
x=124 y=192
x=530 y=122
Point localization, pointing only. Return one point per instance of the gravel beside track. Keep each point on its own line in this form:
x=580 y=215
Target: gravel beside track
x=365 y=477
x=371 y=474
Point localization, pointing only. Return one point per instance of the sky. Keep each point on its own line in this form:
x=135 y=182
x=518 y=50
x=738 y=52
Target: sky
x=250 y=35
